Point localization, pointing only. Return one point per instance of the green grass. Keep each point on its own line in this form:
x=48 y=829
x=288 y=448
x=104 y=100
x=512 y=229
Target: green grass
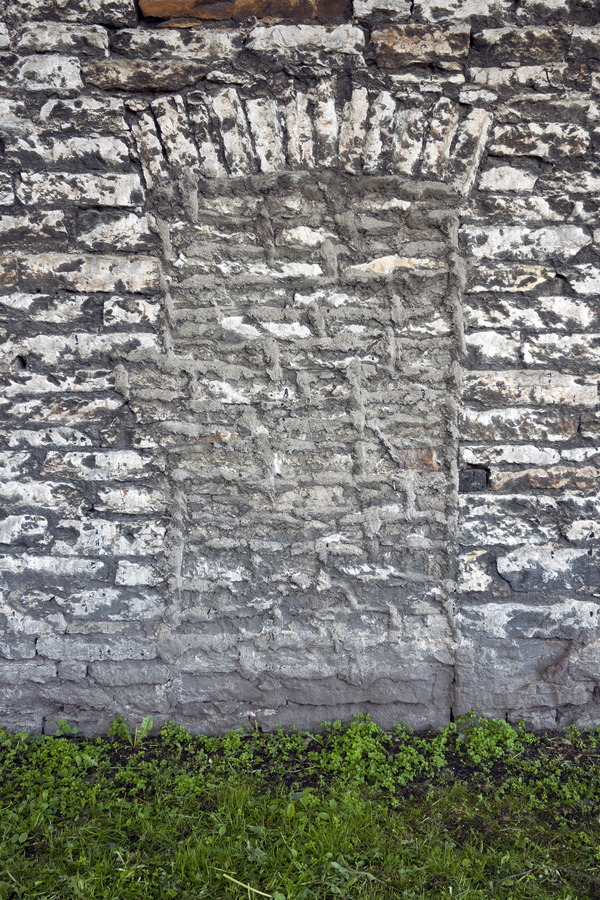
x=478 y=810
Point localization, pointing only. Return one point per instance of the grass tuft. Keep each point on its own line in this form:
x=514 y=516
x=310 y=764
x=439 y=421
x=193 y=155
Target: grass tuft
x=482 y=810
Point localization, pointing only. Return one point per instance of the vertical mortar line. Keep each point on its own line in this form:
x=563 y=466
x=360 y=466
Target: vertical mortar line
x=175 y=539
x=457 y=282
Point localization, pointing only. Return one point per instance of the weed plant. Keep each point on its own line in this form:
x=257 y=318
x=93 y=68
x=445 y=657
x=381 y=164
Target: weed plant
x=481 y=810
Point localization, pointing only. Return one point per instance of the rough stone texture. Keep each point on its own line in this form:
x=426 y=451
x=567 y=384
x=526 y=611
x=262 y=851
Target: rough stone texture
x=243 y=9
x=299 y=362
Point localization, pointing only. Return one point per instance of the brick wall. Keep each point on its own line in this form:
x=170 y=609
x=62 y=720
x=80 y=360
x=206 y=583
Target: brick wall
x=300 y=364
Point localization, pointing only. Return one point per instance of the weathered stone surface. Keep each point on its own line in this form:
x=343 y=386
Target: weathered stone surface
x=507 y=423
x=104 y=12
x=45 y=230
x=49 y=72
x=557 y=313
x=493 y=520
x=440 y=10
x=515 y=279
x=399 y=9
x=102 y=234
x=62 y=38
x=546 y=141
x=522 y=242
x=506 y=79
x=32 y=150
x=143 y=74
x=92 y=647
x=242 y=9
x=290 y=39
x=531 y=388
x=549 y=567
x=86 y=190
x=511 y=46
x=199 y=44
x=555 y=478
x=51 y=271
x=409 y=45
x=7 y=196
x=85 y=115
x=300 y=363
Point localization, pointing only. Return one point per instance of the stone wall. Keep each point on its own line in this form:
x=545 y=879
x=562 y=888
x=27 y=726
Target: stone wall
x=300 y=364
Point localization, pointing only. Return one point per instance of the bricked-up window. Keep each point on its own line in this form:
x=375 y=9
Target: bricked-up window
x=216 y=10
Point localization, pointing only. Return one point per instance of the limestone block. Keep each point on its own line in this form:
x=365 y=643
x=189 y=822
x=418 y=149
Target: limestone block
x=141 y=75
x=85 y=115
x=104 y=605
x=400 y=10
x=469 y=148
x=290 y=40
x=507 y=178
x=266 y=130
x=176 y=139
x=43 y=495
x=409 y=45
x=108 y=465
x=77 y=382
x=580 y=352
x=34 y=150
x=546 y=141
x=512 y=46
x=520 y=454
x=129 y=311
x=12 y=464
x=490 y=520
x=509 y=278
x=521 y=242
x=82 y=272
x=104 y=12
x=353 y=130
x=556 y=313
x=472 y=572
x=584 y=279
x=136 y=574
x=43 y=37
x=100 y=232
x=52 y=565
x=25 y=529
x=519 y=387
x=47 y=72
x=89 y=190
x=101 y=537
x=582 y=478
x=489 y=347
x=549 y=567
x=197 y=43
x=518 y=424
x=569 y=620
x=131 y=500
x=48 y=437
x=44 y=230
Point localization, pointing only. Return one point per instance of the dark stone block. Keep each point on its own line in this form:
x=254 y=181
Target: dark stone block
x=472 y=480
